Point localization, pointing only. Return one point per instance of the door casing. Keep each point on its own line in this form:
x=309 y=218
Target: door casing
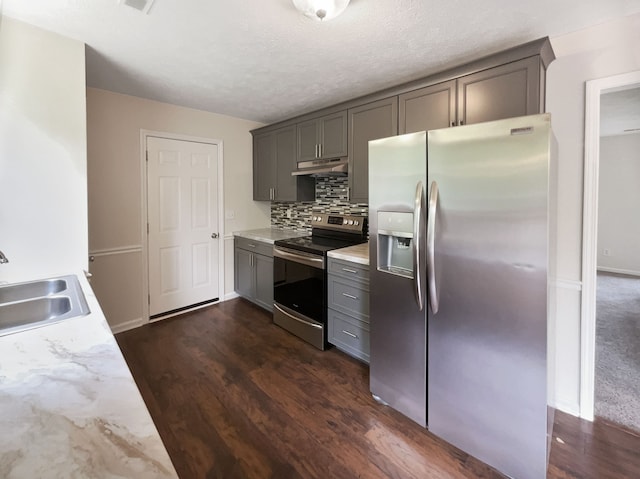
x=594 y=88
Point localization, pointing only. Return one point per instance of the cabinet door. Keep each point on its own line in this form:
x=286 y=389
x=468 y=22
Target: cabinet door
x=263 y=166
x=285 y=150
x=263 y=266
x=307 y=140
x=333 y=129
x=368 y=122
x=428 y=108
x=243 y=273
x=506 y=91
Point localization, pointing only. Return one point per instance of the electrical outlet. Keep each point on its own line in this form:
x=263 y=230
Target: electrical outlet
x=606 y=252
x=230 y=215
x=289 y=213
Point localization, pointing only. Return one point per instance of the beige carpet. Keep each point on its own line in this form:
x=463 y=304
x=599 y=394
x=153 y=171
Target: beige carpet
x=617 y=387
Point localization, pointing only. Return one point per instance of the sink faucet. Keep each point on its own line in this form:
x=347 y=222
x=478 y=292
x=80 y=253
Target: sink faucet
x=3 y=258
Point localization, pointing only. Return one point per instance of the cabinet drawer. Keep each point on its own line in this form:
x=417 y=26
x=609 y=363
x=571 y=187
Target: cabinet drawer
x=349 y=298
x=349 y=335
x=347 y=269
x=258 y=247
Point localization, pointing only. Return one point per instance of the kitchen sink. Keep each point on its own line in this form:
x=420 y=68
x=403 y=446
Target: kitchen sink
x=38 y=303
x=32 y=289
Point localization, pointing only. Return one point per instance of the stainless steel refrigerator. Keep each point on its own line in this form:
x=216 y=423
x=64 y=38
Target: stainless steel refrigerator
x=458 y=258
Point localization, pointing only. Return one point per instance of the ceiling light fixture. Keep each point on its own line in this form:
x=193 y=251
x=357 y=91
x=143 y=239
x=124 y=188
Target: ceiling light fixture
x=321 y=10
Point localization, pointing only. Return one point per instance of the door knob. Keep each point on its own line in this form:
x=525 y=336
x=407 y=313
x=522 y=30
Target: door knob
x=214 y=235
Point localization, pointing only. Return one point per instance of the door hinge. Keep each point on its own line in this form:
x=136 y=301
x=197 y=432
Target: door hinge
x=149 y=299
x=147 y=228
x=146 y=155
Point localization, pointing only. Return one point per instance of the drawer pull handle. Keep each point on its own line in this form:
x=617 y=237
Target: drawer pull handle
x=349 y=296
x=251 y=245
x=350 y=270
x=354 y=336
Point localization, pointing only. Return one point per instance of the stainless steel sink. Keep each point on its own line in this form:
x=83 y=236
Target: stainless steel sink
x=38 y=303
x=33 y=289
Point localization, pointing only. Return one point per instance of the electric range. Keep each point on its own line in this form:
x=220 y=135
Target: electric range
x=300 y=274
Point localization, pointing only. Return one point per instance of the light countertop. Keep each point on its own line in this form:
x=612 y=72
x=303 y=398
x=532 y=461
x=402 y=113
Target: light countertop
x=270 y=235
x=356 y=254
x=70 y=407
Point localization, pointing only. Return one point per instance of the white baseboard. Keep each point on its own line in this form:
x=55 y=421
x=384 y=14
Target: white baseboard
x=232 y=295
x=127 y=325
x=570 y=407
x=628 y=272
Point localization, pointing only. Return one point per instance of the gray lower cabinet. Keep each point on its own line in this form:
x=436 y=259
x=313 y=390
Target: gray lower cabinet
x=274 y=158
x=348 y=307
x=253 y=271
x=372 y=121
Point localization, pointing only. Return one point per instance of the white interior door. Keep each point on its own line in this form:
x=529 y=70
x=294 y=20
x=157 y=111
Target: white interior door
x=182 y=197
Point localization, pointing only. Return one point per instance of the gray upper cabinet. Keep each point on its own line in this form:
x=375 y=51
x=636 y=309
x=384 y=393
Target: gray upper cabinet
x=505 y=91
x=285 y=147
x=263 y=166
x=274 y=158
x=368 y=122
x=324 y=137
x=505 y=84
x=428 y=108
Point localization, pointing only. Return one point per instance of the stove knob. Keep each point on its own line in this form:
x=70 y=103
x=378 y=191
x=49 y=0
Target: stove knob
x=356 y=222
x=350 y=222
x=344 y=222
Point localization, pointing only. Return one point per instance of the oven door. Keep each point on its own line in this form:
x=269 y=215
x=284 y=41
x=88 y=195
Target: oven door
x=299 y=293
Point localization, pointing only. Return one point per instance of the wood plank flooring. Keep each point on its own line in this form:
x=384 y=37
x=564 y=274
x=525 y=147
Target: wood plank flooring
x=234 y=396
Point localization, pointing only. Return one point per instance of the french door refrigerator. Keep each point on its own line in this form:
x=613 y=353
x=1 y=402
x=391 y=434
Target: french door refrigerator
x=458 y=253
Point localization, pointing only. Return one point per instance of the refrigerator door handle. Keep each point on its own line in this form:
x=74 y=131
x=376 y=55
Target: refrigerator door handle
x=417 y=222
x=431 y=243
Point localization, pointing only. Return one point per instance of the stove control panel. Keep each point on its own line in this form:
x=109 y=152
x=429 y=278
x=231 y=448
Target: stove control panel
x=339 y=222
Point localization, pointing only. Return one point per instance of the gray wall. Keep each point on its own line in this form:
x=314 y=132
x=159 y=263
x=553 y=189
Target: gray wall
x=597 y=52
x=619 y=204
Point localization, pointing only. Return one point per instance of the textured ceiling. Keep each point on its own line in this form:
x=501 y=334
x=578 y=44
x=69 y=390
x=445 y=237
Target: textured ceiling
x=262 y=60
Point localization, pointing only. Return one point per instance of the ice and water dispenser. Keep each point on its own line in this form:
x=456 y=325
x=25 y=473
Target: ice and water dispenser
x=395 y=243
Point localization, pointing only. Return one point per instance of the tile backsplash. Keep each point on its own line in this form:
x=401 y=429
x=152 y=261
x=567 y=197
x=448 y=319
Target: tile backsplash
x=331 y=198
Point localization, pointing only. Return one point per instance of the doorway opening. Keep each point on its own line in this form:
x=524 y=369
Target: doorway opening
x=609 y=352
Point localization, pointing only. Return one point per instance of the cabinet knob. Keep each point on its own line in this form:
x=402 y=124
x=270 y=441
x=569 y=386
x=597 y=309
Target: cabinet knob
x=214 y=235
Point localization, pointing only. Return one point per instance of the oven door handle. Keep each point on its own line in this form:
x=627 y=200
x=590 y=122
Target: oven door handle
x=313 y=325
x=313 y=261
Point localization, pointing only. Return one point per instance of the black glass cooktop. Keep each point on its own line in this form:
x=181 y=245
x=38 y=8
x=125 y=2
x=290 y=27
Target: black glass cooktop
x=318 y=244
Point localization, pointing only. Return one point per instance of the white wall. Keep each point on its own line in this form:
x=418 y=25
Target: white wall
x=43 y=161
x=596 y=52
x=618 y=203
x=114 y=122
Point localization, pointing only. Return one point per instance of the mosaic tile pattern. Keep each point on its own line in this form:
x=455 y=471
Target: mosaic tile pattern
x=331 y=198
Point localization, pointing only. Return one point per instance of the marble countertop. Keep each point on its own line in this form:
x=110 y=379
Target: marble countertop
x=270 y=235
x=70 y=407
x=356 y=254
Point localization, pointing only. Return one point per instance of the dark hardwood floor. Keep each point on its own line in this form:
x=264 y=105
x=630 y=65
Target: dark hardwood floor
x=234 y=396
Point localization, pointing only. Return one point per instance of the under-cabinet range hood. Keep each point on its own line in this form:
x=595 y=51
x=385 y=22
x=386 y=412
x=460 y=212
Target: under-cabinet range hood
x=332 y=167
